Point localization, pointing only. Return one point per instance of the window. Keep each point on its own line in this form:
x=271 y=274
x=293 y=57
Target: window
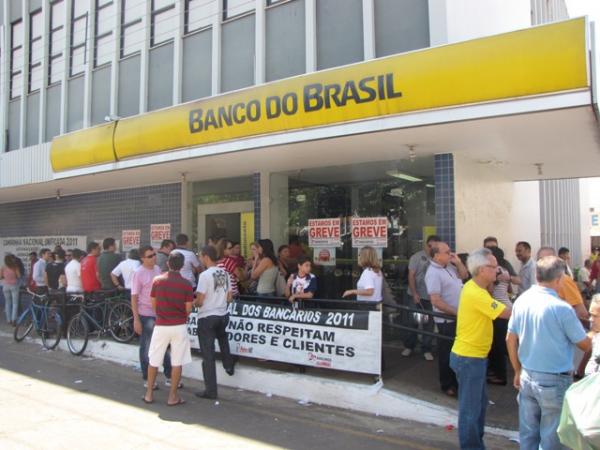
x=79 y=27
x=103 y=48
x=199 y=14
x=56 y=42
x=132 y=33
x=164 y=21
x=36 y=52
x=232 y=8
x=273 y=2
x=16 y=58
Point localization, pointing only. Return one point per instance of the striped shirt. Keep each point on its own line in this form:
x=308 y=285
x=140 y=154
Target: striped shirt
x=171 y=292
x=230 y=264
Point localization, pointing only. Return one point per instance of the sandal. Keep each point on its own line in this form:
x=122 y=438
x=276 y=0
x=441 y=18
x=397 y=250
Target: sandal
x=450 y=392
x=148 y=402
x=179 y=401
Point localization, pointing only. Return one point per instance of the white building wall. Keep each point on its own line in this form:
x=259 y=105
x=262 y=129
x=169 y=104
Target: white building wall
x=483 y=205
x=525 y=219
x=470 y=19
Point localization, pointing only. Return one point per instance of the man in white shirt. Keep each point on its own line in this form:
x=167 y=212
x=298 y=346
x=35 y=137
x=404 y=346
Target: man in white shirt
x=73 y=272
x=125 y=269
x=39 y=270
x=212 y=297
x=191 y=265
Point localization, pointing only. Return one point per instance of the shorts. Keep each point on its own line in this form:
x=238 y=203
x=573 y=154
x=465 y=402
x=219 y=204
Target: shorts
x=177 y=337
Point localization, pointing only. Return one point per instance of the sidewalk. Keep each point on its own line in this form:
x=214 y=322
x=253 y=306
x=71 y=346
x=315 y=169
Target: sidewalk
x=409 y=390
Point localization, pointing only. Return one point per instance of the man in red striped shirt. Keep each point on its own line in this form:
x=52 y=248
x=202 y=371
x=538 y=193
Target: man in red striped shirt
x=231 y=266
x=171 y=298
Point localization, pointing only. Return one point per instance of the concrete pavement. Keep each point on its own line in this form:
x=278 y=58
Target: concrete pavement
x=53 y=400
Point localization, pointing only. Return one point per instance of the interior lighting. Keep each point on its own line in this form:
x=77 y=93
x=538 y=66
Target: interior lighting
x=403 y=176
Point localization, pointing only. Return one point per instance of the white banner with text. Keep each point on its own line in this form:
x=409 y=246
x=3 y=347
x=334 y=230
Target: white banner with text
x=346 y=340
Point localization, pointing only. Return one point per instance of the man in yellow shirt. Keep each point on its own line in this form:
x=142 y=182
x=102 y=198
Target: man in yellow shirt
x=474 y=332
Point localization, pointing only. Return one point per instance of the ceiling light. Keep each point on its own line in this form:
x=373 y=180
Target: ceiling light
x=402 y=176
x=431 y=186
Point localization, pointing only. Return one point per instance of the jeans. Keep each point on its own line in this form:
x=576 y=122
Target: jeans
x=540 y=404
x=447 y=375
x=11 y=302
x=145 y=338
x=498 y=354
x=209 y=329
x=426 y=341
x=472 y=399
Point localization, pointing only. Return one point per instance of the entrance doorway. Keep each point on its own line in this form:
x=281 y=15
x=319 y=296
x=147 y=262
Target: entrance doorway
x=230 y=220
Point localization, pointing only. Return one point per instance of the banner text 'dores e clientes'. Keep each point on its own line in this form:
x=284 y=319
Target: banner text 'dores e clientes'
x=541 y=60
x=346 y=340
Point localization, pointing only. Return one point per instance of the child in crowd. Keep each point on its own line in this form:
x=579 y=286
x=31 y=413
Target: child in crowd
x=301 y=285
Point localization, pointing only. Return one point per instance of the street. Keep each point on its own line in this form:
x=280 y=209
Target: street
x=52 y=400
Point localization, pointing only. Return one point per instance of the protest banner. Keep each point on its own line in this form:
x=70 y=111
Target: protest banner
x=348 y=340
x=23 y=246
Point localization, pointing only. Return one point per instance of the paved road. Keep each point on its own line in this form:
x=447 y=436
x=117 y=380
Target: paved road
x=51 y=400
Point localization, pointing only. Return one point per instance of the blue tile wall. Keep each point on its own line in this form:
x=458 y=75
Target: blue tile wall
x=95 y=215
x=444 y=198
x=257 y=204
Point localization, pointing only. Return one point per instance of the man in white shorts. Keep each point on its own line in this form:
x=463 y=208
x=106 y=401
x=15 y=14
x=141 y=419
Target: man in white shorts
x=172 y=298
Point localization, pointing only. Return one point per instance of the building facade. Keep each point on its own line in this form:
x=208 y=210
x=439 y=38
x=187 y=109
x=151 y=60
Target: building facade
x=93 y=90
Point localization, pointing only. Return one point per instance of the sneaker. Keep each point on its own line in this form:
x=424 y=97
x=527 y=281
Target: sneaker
x=428 y=356
x=168 y=384
x=406 y=352
x=155 y=388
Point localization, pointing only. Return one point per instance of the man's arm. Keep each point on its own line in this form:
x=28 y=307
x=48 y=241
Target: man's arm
x=153 y=302
x=137 y=324
x=512 y=345
x=581 y=312
x=585 y=345
x=412 y=285
x=440 y=304
x=115 y=280
x=463 y=273
x=199 y=299
x=506 y=312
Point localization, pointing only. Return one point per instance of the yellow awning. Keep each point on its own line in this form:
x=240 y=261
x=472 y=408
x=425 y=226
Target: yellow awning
x=534 y=61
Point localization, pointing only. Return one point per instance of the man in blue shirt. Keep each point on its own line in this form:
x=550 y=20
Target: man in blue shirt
x=542 y=334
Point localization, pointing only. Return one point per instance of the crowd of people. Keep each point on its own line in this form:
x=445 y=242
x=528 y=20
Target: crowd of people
x=487 y=313
x=542 y=326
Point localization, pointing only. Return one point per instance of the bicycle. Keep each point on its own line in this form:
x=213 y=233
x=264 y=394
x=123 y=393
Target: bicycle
x=111 y=315
x=42 y=316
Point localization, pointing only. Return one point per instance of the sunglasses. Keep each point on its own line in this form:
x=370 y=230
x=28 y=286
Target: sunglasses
x=150 y=256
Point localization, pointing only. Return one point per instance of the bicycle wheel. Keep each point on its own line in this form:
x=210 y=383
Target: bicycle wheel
x=77 y=334
x=51 y=327
x=120 y=322
x=24 y=326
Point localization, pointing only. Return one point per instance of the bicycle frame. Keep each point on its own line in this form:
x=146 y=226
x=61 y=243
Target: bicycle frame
x=38 y=312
